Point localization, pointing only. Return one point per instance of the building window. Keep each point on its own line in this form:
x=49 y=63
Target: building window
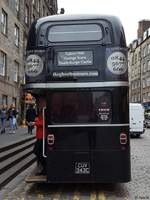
x=26 y=14
x=14 y=101
x=148 y=48
x=139 y=56
x=33 y=17
x=144 y=67
x=4 y=22
x=4 y=100
x=132 y=62
x=15 y=72
x=44 y=11
x=38 y=5
x=139 y=97
x=148 y=65
x=139 y=84
x=144 y=84
x=25 y=45
x=2 y=63
x=17 y=5
x=135 y=59
x=16 y=33
x=144 y=51
x=148 y=81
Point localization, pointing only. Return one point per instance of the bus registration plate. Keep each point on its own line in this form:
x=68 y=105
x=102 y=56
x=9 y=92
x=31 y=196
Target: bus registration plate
x=82 y=168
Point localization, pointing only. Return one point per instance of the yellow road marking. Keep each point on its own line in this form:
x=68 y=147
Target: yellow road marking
x=40 y=196
x=76 y=196
x=101 y=196
x=56 y=196
x=93 y=195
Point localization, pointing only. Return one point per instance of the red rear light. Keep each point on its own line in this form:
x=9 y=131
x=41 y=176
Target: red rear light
x=50 y=139
x=123 y=138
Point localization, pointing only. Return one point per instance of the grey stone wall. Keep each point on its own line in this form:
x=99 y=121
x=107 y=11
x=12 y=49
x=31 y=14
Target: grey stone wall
x=8 y=87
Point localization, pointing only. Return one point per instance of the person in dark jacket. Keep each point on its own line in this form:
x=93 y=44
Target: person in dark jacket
x=3 y=116
x=12 y=113
x=30 y=118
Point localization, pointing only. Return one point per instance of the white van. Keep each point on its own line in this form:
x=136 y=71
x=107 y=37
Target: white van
x=136 y=111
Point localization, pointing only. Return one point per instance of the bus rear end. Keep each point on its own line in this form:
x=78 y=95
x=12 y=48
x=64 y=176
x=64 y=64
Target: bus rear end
x=85 y=82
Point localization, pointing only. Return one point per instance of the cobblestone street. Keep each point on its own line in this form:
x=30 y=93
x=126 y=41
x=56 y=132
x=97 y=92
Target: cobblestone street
x=137 y=189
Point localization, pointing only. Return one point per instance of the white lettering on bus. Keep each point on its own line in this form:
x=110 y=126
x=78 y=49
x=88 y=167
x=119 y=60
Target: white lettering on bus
x=117 y=63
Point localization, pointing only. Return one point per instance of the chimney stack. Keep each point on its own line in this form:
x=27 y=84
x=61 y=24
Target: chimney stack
x=143 y=25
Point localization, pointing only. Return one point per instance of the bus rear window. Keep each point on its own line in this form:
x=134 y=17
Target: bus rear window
x=80 y=107
x=72 y=33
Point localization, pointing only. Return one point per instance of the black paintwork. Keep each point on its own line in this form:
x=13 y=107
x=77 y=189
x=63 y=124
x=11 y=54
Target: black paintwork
x=109 y=160
x=39 y=27
x=113 y=40
x=81 y=106
x=100 y=147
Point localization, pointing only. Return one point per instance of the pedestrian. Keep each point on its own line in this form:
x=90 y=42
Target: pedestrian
x=30 y=118
x=3 y=116
x=12 y=113
x=38 y=148
x=17 y=116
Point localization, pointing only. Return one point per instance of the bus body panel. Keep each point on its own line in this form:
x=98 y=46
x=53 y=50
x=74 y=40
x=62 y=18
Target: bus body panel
x=37 y=32
x=84 y=77
x=95 y=153
x=87 y=106
x=109 y=53
x=114 y=163
x=108 y=64
x=97 y=144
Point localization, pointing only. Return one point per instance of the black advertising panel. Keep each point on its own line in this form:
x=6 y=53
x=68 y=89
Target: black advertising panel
x=74 y=58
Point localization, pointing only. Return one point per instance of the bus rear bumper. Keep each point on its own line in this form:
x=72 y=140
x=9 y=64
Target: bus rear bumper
x=100 y=166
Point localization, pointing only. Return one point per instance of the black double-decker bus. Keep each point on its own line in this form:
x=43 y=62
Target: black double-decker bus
x=79 y=62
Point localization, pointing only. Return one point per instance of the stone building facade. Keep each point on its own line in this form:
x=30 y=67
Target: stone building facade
x=16 y=17
x=139 y=68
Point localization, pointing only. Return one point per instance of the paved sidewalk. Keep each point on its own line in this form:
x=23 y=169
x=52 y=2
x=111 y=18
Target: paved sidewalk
x=9 y=138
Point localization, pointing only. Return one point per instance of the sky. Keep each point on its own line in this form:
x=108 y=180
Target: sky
x=130 y=12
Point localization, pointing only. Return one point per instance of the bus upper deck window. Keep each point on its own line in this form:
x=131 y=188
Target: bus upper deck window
x=76 y=32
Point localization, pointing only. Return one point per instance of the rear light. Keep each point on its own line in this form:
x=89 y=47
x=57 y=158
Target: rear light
x=50 y=139
x=123 y=138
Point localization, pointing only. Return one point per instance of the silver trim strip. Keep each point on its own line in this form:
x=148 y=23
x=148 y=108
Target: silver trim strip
x=44 y=154
x=77 y=85
x=85 y=125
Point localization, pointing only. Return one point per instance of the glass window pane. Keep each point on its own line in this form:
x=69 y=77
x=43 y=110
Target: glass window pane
x=4 y=100
x=2 y=63
x=15 y=72
x=80 y=107
x=17 y=5
x=90 y=32
x=4 y=22
x=16 y=33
